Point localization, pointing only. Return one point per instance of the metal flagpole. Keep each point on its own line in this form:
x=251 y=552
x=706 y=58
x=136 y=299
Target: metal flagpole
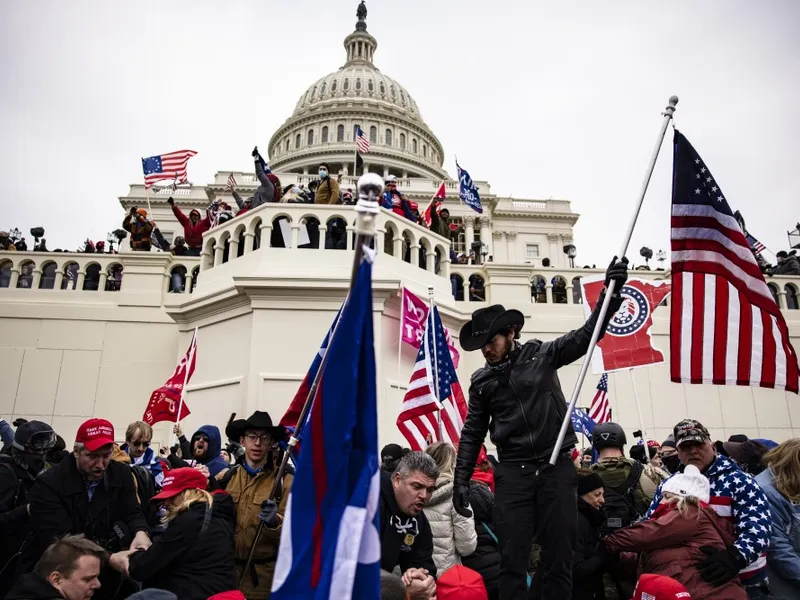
x=435 y=363
x=185 y=381
x=370 y=188
x=400 y=340
x=641 y=419
x=668 y=112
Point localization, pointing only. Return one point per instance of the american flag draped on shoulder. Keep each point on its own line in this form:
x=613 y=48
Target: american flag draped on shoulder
x=600 y=411
x=726 y=328
x=419 y=416
x=166 y=166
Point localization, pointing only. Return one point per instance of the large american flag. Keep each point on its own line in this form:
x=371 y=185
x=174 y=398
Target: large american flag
x=362 y=142
x=600 y=411
x=726 y=328
x=419 y=416
x=166 y=166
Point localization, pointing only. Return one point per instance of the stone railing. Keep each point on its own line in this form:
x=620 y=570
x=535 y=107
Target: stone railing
x=61 y=271
x=321 y=227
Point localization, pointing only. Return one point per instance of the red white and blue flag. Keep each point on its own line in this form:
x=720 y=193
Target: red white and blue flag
x=434 y=400
x=171 y=165
x=600 y=410
x=362 y=142
x=330 y=546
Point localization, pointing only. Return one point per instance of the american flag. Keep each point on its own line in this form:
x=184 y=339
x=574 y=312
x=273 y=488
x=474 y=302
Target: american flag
x=419 y=417
x=231 y=183
x=166 y=166
x=362 y=143
x=600 y=411
x=726 y=328
x=755 y=244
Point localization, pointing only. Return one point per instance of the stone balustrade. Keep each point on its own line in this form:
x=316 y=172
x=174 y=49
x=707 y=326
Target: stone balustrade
x=61 y=271
x=321 y=227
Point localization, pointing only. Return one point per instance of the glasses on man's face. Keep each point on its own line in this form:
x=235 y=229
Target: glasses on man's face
x=254 y=437
x=140 y=444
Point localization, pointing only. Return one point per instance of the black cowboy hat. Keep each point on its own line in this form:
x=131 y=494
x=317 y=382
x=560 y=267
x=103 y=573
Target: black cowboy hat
x=486 y=323
x=258 y=420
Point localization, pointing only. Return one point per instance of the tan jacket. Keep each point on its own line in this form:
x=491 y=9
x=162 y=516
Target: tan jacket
x=327 y=192
x=248 y=493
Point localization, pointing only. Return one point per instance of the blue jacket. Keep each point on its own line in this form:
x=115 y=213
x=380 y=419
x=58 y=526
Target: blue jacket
x=784 y=554
x=214 y=462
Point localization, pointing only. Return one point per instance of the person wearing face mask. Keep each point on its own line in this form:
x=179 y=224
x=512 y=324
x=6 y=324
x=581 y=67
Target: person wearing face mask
x=20 y=464
x=669 y=456
x=328 y=188
x=516 y=397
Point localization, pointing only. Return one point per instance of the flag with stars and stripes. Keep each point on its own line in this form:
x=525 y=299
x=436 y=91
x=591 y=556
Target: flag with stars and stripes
x=757 y=246
x=362 y=142
x=426 y=403
x=231 y=184
x=600 y=411
x=725 y=326
x=171 y=165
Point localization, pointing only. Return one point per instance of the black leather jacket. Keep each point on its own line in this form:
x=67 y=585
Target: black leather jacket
x=522 y=406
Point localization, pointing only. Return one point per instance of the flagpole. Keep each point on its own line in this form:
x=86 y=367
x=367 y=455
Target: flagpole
x=185 y=381
x=641 y=419
x=400 y=340
x=435 y=365
x=668 y=112
x=370 y=188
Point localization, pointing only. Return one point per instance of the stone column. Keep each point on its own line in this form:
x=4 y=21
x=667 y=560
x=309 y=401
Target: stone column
x=81 y=278
x=398 y=246
x=469 y=234
x=511 y=236
x=782 y=299
x=323 y=229
x=554 y=252
x=266 y=233
x=205 y=260
x=548 y=291
x=59 y=279
x=496 y=237
x=233 y=251
x=486 y=238
x=444 y=266
x=249 y=241
x=570 y=299
x=430 y=260
x=414 y=255
x=37 y=277
x=219 y=250
x=14 y=278
x=101 y=287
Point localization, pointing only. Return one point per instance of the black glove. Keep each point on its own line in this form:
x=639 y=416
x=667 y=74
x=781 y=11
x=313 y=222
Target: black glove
x=170 y=201
x=269 y=514
x=255 y=152
x=618 y=272
x=721 y=565
x=461 y=500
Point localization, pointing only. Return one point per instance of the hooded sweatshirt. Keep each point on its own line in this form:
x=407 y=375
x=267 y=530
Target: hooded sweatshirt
x=214 y=461
x=192 y=232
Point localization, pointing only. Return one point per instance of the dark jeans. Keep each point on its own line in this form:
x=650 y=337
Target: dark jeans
x=544 y=505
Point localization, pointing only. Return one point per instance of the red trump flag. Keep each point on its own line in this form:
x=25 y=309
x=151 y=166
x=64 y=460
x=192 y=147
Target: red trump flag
x=166 y=403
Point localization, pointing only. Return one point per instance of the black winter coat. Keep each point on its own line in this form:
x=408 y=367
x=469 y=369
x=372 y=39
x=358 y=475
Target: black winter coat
x=192 y=564
x=59 y=505
x=486 y=558
x=588 y=563
x=15 y=524
x=33 y=587
x=522 y=406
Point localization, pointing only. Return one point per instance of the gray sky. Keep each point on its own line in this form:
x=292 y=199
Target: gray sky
x=556 y=99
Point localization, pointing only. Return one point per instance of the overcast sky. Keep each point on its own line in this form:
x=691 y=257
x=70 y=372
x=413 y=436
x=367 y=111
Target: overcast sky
x=541 y=99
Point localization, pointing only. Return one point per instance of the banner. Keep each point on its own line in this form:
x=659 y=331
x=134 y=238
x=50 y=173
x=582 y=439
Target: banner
x=627 y=342
x=412 y=324
x=165 y=402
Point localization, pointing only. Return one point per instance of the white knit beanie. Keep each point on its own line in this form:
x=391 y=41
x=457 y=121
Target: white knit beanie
x=689 y=483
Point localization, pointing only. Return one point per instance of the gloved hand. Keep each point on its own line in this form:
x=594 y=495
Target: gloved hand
x=617 y=271
x=461 y=500
x=170 y=201
x=721 y=565
x=255 y=152
x=269 y=514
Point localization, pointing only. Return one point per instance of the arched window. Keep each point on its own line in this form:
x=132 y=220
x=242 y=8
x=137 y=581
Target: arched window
x=324 y=134
x=792 y=297
x=310 y=137
x=425 y=150
x=346 y=85
x=358 y=84
x=48 y=279
x=334 y=86
x=313 y=91
x=340 y=133
x=774 y=290
x=373 y=134
x=577 y=296
x=402 y=98
x=477 y=288
x=402 y=141
x=371 y=85
x=25 y=274
x=414 y=145
x=538 y=289
x=355 y=129
x=388 y=137
x=559 y=290
x=287 y=145
x=393 y=92
x=297 y=139
x=323 y=89
x=5 y=274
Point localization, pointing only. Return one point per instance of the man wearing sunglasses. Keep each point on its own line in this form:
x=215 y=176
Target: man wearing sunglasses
x=138 y=437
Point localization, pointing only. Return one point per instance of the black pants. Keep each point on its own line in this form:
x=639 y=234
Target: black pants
x=545 y=505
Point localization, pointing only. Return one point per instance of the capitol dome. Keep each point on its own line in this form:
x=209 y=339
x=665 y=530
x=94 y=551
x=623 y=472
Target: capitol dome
x=323 y=124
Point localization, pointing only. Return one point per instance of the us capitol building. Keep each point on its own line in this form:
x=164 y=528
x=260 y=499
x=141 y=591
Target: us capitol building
x=73 y=347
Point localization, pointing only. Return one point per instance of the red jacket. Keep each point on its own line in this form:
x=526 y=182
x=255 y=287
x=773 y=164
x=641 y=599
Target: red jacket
x=193 y=234
x=670 y=545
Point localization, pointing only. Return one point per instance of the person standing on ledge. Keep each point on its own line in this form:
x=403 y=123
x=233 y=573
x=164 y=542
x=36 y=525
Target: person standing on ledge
x=517 y=398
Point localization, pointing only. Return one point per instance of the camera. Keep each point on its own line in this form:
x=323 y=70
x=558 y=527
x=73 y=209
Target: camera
x=637 y=433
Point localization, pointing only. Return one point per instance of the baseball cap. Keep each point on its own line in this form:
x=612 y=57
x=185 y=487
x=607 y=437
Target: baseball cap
x=461 y=583
x=392 y=452
x=690 y=430
x=659 y=587
x=178 y=480
x=95 y=433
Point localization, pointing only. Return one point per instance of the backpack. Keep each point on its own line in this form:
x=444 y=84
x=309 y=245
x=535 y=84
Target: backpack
x=619 y=509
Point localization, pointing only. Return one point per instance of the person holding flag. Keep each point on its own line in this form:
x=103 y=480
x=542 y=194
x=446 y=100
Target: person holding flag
x=517 y=397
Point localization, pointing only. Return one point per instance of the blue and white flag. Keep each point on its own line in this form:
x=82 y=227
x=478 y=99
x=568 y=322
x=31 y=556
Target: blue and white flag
x=467 y=190
x=582 y=423
x=330 y=547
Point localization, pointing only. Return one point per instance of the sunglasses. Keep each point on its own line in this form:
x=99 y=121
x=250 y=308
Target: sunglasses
x=140 y=444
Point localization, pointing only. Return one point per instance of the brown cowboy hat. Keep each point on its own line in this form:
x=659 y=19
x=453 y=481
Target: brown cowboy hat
x=486 y=323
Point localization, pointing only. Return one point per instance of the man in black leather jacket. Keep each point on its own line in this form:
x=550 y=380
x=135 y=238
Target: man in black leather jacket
x=517 y=398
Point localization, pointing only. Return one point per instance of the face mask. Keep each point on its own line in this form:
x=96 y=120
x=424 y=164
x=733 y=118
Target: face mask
x=323 y=173
x=671 y=463
x=34 y=462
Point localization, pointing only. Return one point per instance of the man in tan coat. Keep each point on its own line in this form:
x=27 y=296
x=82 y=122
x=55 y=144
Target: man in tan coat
x=250 y=484
x=328 y=189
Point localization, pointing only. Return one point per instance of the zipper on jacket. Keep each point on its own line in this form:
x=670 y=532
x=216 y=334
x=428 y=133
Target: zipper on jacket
x=524 y=418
